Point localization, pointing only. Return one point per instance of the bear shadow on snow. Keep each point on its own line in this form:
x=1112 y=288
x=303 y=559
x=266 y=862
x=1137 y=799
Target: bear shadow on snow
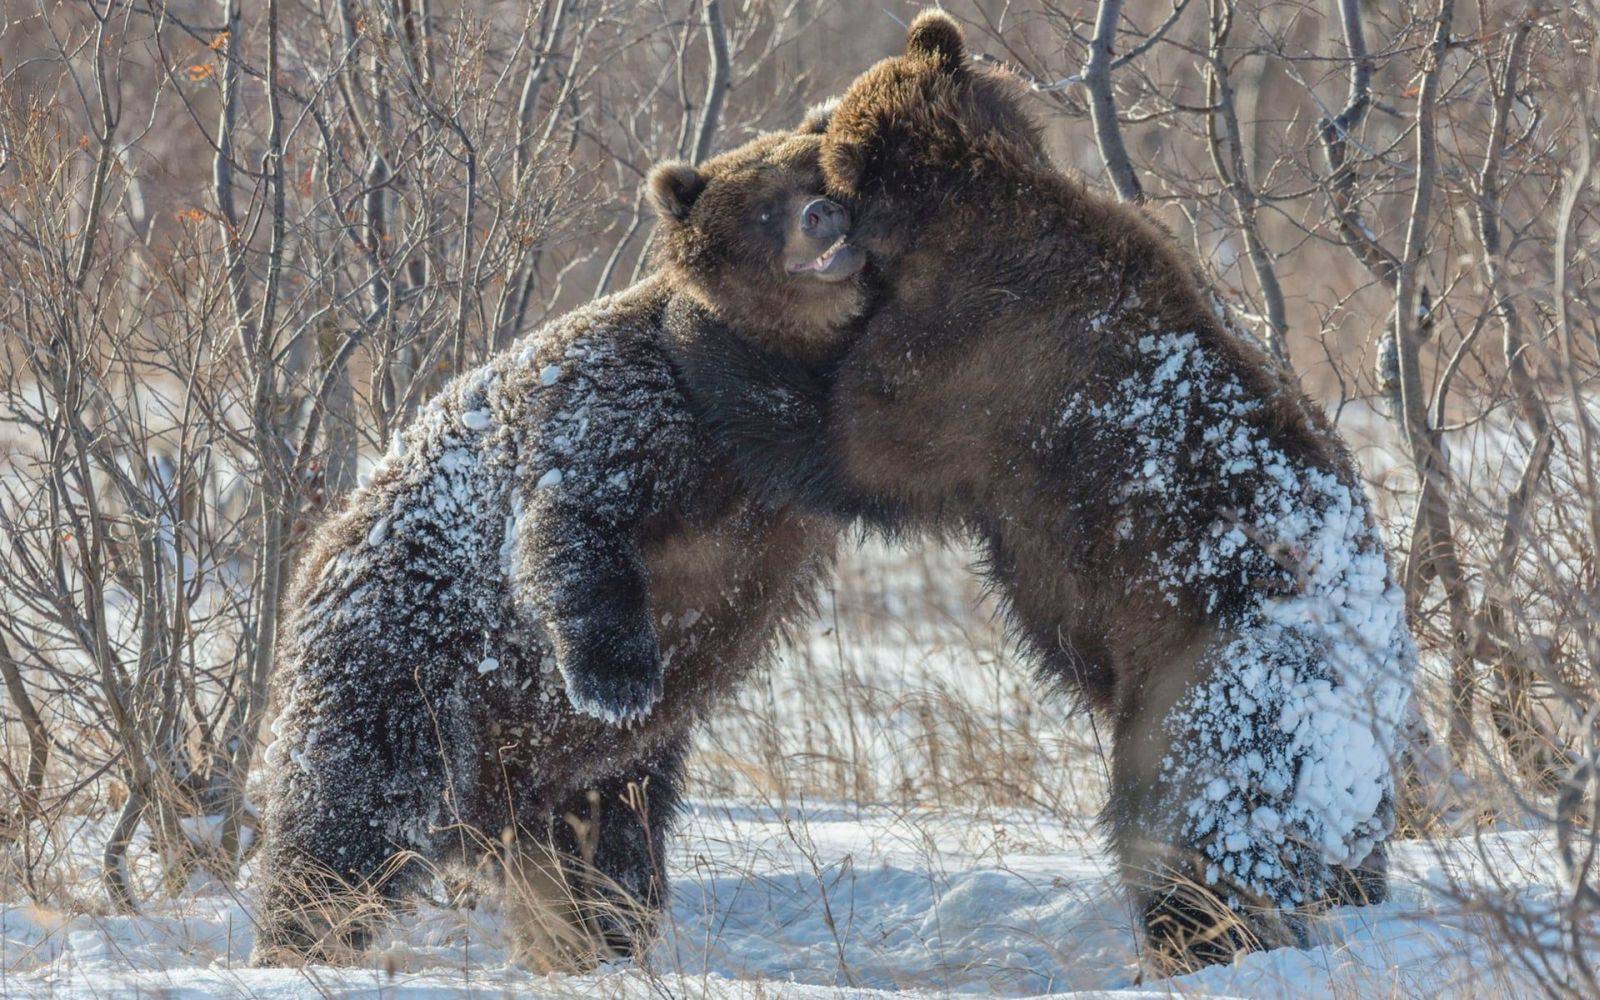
x=1178 y=535
x=494 y=654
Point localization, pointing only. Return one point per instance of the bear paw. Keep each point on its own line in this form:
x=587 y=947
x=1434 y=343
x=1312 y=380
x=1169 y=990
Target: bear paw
x=618 y=684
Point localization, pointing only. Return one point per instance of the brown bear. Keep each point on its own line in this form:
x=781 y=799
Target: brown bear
x=495 y=653
x=1179 y=535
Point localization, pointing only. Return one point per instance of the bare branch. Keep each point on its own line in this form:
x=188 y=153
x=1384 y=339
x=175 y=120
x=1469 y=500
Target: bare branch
x=1103 y=105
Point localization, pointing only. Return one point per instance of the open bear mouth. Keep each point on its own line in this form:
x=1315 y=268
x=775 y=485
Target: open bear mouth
x=840 y=260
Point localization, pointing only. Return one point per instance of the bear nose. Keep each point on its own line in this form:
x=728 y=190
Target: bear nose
x=822 y=219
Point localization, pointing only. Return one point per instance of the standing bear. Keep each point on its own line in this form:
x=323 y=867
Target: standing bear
x=497 y=650
x=1179 y=535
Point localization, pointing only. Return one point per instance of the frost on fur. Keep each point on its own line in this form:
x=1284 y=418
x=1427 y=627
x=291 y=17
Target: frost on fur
x=611 y=455
x=1281 y=755
x=488 y=563
x=469 y=635
x=512 y=499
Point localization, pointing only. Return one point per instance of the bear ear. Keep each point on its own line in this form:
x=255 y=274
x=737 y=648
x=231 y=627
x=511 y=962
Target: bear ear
x=674 y=187
x=935 y=35
x=817 y=117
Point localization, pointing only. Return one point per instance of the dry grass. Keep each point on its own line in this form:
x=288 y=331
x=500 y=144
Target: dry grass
x=906 y=692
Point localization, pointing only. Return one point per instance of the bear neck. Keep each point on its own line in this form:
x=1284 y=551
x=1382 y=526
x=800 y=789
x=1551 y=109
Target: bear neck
x=783 y=320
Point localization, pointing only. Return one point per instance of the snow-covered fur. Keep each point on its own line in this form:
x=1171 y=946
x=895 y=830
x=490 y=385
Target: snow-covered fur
x=1177 y=531
x=423 y=718
x=497 y=650
x=1277 y=769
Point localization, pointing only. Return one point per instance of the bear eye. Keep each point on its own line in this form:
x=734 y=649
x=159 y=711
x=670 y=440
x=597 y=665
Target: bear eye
x=766 y=215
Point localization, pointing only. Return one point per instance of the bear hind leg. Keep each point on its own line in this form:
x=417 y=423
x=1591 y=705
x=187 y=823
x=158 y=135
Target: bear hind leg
x=1192 y=912
x=312 y=909
x=591 y=885
x=1367 y=884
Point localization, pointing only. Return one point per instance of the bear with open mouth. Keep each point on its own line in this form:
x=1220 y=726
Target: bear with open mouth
x=495 y=653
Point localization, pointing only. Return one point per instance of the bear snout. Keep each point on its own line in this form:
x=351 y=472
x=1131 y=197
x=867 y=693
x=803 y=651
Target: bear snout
x=823 y=219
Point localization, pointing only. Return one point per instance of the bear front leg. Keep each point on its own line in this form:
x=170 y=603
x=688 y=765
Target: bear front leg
x=605 y=643
x=589 y=588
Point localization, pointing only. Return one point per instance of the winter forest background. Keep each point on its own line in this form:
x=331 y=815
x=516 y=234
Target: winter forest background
x=241 y=242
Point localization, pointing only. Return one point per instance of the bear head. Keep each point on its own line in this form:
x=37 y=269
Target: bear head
x=750 y=235
x=917 y=127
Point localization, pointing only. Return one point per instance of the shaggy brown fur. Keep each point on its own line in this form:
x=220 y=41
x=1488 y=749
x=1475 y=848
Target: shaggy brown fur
x=1044 y=370
x=553 y=548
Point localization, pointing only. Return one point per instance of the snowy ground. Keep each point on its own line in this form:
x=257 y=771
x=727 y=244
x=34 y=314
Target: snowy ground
x=824 y=901
x=976 y=871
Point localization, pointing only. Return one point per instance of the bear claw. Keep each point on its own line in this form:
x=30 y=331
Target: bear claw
x=618 y=682
x=619 y=700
